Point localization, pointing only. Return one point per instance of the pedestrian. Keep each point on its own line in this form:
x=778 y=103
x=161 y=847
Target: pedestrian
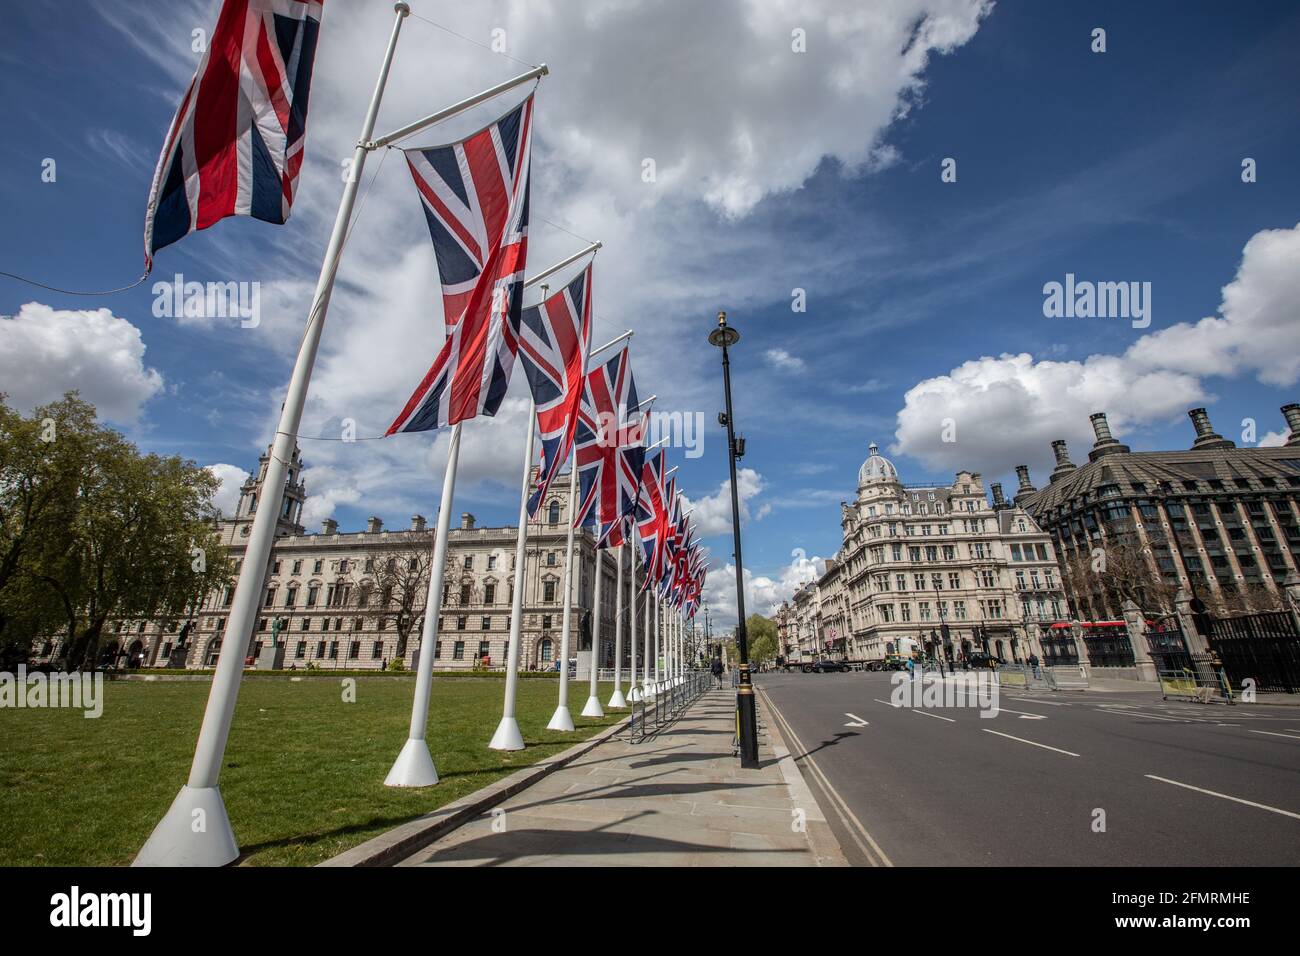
x=716 y=668
x=911 y=669
x=1033 y=662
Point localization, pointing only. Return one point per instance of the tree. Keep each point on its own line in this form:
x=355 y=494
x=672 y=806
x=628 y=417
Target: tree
x=761 y=635
x=392 y=583
x=92 y=530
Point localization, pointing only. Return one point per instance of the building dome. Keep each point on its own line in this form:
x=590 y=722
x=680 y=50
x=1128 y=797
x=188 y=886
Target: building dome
x=876 y=468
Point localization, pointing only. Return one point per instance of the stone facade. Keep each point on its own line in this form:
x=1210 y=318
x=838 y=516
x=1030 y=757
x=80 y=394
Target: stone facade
x=941 y=569
x=1215 y=519
x=321 y=587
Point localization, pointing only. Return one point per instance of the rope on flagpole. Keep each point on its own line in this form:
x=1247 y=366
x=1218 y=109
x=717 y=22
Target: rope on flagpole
x=462 y=36
x=52 y=288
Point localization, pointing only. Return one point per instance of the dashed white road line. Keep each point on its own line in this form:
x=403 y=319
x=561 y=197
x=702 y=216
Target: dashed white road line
x=1224 y=796
x=1030 y=742
x=926 y=713
x=887 y=703
x=1045 y=703
x=1022 y=713
x=1138 y=713
x=1272 y=734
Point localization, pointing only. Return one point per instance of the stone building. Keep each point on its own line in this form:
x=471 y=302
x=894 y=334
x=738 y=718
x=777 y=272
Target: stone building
x=937 y=567
x=324 y=589
x=1215 y=520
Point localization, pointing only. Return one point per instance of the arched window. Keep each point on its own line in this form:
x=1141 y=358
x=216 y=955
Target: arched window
x=547 y=650
x=553 y=513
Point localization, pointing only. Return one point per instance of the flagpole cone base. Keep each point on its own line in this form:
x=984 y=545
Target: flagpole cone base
x=634 y=694
x=561 y=720
x=616 y=700
x=593 y=708
x=413 y=766
x=175 y=842
x=507 y=736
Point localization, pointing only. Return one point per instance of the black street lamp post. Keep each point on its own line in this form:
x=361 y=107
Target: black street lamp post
x=746 y=720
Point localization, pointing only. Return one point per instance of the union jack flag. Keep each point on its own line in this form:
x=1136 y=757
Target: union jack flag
x=698 y=570
x=235 y=146
x=553 y=341
x=609 y=453
x=650 y=518
x=475 y=197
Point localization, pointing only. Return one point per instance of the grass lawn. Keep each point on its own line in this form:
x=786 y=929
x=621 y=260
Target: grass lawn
x=304 y=772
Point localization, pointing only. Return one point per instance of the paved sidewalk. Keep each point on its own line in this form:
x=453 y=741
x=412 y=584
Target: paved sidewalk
x=677 y=799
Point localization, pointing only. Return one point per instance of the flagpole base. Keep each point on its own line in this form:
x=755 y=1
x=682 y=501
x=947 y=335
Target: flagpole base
x=507 y=736
x=195 y=831
x=634 y=694
x=593 y=708
x=413 y=766
x=561 y=719
x=616 y=700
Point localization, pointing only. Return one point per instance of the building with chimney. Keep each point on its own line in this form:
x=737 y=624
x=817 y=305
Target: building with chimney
x=335 y=597
x=939 y=568
x=1219 y=521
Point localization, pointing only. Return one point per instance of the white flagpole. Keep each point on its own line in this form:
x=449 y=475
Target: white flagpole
x=507 y=736
x=176 y=840
x=616 y=700
x=414 y=764
x=634 y=692
x=562 y=719
x=658 y=644
x=593 y=708
x=647 y=689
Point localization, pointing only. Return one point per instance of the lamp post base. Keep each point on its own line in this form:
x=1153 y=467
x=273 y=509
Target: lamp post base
x=616 y=700
x=195 y=831
x=593 y=708
x=748 y=727
x=413 y=766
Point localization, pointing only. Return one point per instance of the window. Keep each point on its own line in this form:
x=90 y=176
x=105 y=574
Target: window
x=907 y=611
x=290 y=597
x=924 y=610
x=343 y=566
x=490 y=591
x=275 y=567
x=458 y=651
x=553 y=513
x=550 y=559
x=1015 y=552
x=546 y=622
x=300 y=651
x=901 y=581
x=317 y=567
x=320 y=649
x=297 y=567
x=464 y=594
x=954 y=580
x=484 y=649
x=270 y=596
x=486 y=624
x=547 y=650
x=492 y=562
x=460 y=623
x=469 y=562
x=354 y=650
x=548 y=591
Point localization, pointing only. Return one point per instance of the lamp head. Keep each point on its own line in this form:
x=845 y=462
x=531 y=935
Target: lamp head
x=724 y=335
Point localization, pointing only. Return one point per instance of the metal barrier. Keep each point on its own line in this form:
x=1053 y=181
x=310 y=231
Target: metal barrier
x=1201 y=681
x=655 y=711
x=1066 y=677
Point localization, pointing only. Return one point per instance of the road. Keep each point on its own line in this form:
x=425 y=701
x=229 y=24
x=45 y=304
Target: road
x=1175 y=784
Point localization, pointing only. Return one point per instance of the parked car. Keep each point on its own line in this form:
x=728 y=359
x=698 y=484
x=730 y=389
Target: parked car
x=825 y=667
x=978 y=659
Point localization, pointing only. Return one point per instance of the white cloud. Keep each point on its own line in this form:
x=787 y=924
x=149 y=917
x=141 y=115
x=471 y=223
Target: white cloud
x=783 y=361
x=712 y=513
x=713 y=93
x=763 y=594
x=1006 y=410
x=231 y=477
x=1274 y=439
x=45 y=352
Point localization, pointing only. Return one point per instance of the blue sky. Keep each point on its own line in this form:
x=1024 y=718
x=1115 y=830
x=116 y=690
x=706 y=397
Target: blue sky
x=778 y=171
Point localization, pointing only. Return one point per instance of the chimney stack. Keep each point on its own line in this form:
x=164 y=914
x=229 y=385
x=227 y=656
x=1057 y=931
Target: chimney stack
x=329 y=526
x=1063 y=464
x=1292 y=413
x=999 y=502
x=1026 y=487
x=466 y=521
x=1205 y=434
x=374 y=525
x=417 y=522
x=1106 y=443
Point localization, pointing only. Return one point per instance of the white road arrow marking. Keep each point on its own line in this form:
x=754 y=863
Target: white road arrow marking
x=858 y=721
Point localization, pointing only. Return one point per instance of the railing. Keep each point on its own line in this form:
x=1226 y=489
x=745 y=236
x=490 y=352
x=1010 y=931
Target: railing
x=659 y=707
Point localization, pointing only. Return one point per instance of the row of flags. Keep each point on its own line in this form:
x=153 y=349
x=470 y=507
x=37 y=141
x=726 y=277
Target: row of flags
x=235 y=147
